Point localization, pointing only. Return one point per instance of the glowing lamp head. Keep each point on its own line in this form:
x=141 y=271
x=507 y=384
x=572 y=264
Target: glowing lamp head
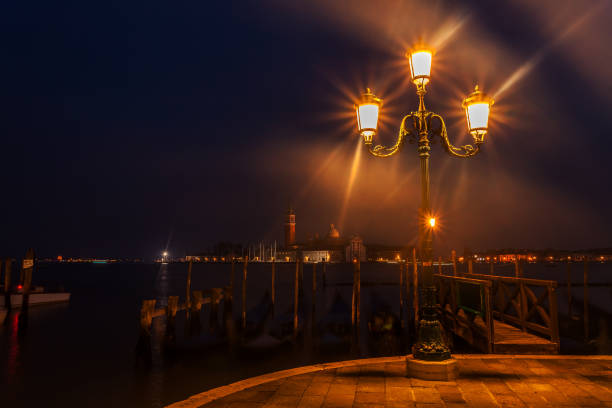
x=477 y=107
x=165 y=253
x=367 y=115
x=420 y=58
x=432 y=222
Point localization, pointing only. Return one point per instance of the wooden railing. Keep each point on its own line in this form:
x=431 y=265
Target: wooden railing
x=530 y=304
x=470 y=317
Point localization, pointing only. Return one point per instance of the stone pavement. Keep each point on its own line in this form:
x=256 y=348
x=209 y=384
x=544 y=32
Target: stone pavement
x=484 y=381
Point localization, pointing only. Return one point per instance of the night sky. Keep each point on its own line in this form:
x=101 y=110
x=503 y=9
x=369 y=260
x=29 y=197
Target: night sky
x=130 y=127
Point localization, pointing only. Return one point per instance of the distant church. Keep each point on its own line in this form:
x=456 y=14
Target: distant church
x=332 y=248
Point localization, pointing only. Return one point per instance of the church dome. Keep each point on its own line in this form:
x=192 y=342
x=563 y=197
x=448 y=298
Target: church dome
x=333 y=232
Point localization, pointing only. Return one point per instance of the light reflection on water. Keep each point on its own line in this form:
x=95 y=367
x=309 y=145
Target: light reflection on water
x=88 y=345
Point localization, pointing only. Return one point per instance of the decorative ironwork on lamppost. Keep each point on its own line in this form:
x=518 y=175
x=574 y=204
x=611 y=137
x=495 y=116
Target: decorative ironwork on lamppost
x=421 y=127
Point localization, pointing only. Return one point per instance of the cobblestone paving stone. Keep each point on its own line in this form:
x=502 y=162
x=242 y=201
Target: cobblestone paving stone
x=482 y=382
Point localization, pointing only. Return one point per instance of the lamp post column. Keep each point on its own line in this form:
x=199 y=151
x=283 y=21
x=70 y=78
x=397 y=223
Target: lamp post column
x=425 y=236
x=430 y=345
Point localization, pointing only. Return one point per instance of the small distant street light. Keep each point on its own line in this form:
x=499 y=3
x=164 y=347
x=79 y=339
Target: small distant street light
x=421 y=127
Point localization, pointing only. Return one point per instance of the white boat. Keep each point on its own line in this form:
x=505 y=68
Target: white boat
x=36 y=298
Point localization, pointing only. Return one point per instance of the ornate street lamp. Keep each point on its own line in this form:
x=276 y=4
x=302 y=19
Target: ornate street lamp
x=421 y=127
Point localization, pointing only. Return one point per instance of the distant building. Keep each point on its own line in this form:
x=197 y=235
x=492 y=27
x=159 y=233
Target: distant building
x=356 y=249
x=332 y=248
x=387 y=252
x=290 y=229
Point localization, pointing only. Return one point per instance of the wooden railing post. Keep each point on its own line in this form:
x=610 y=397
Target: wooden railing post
x=491 y=268
x=470 y=266
x=523 y=305
x=501 y=291
x=454 y=259
x=440 y=265
x=554 y=316
x=489 y=319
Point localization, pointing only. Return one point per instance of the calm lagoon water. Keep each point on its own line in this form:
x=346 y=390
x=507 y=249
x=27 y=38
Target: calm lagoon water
x=83 y=353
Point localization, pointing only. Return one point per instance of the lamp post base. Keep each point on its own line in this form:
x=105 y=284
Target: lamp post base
x=446 y=370
x=430 y=344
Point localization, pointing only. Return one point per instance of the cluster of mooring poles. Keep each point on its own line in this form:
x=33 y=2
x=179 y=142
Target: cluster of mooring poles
x=24 y=285
x=408 y=284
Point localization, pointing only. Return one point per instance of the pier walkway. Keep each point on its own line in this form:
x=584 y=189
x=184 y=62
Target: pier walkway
x=501 y=315
x=484 y=381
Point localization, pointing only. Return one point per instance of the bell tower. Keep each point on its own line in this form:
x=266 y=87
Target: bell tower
x=290 y=228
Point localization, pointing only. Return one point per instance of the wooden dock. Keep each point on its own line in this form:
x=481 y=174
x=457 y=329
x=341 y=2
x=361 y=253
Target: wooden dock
x=501 y=314
x=511 y=340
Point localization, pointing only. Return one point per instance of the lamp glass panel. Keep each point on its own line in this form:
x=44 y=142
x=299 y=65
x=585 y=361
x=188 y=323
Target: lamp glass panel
x=421 y=63
x=368 y=116
x=478 y=115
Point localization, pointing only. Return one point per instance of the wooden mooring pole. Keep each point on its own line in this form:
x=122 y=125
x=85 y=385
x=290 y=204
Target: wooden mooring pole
x=415 y=289
x=196 y=308
x=244 y=283
x=273 y=286
x=8 y=263
x=407 y=289
x=323 y=273
x=232 y=273
x=356 y=308
x=454 y=259
x=215 y=299
x=296 y=297
x=188 y=288
x=517 y=269
x=143 y=347
x=171 y=320
x=586 y=298
x=401 y=293
x=27 y=268
x=314 y=285
x=569 y=290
